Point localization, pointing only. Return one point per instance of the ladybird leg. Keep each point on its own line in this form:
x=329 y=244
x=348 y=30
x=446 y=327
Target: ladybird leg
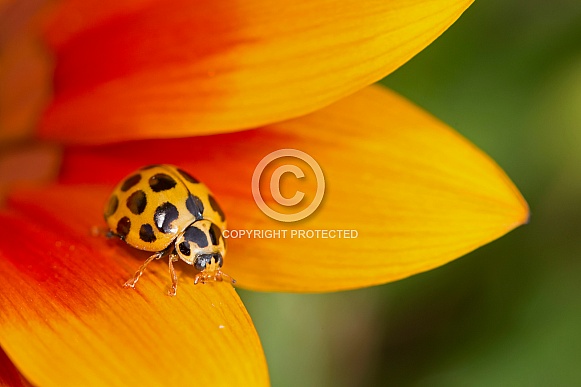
x=174 y=278
x=218 y=276
x=221 y=276
x=110 y=234
x=131 y=283
x=200 y=277
x=101 y=231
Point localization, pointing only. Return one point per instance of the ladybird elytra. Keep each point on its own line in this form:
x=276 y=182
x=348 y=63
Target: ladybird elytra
x=165 y=210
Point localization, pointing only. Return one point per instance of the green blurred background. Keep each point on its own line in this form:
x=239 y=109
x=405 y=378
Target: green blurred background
x=507 y=75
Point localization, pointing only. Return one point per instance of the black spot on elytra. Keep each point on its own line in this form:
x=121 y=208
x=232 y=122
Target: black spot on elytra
x=215 y=234
x=188 y=177
x=130 y=182
x=197 y=236
x=137 y=202
x=185 y=248
x=146 y=233
x=195 y=206
x=112 y=206
x=123 y=227
x=216 y=207
x=164 y=216
x=161 y=182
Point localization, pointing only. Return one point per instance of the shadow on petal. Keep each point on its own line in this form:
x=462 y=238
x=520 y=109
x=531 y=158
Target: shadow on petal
x=9 y=375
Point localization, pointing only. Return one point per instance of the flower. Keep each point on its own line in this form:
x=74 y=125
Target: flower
x=143 y=82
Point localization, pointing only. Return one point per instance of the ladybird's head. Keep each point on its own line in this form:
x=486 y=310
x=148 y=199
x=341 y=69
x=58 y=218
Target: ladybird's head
x=202 y=245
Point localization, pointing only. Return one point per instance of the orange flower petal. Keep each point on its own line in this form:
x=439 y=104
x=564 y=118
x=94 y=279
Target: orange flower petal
x=417 y=193
x=66 y=320
x=25 y=71
x=148 y=68
x=28 y=163
x=9 y=375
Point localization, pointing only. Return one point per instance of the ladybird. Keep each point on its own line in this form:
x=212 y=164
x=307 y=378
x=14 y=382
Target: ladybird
x=164 y=209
